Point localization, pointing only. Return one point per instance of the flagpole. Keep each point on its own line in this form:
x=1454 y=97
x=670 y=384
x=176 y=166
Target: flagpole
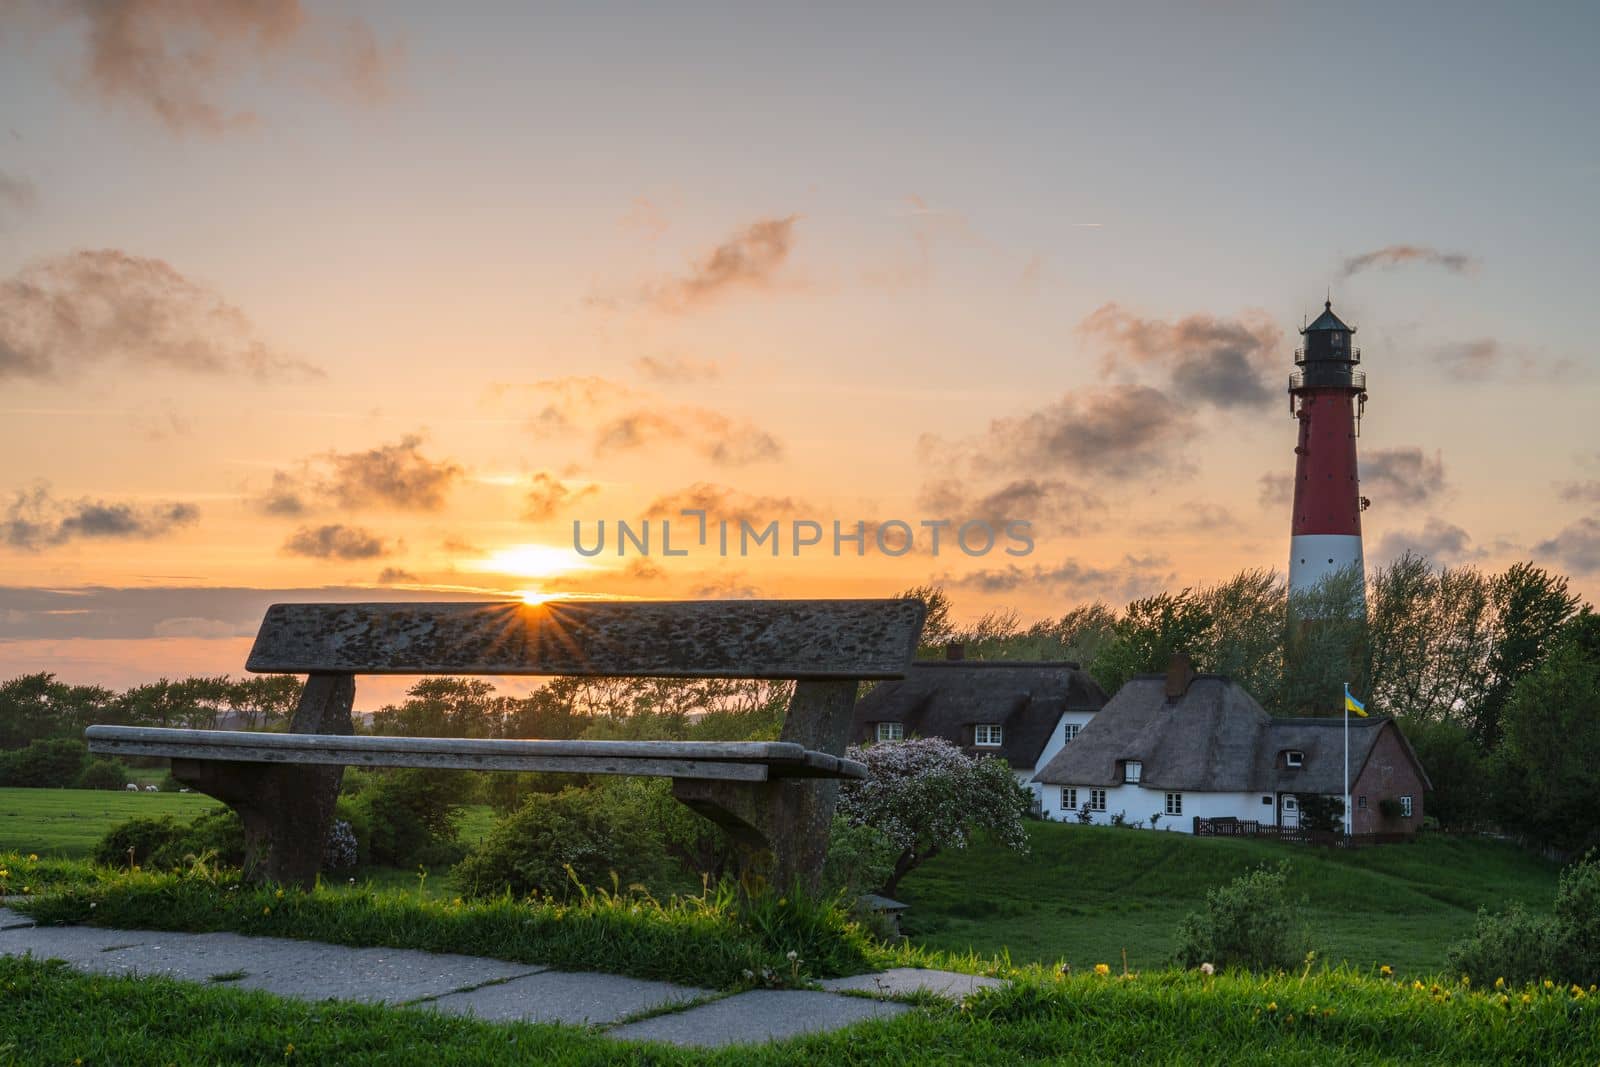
x=1347 y=759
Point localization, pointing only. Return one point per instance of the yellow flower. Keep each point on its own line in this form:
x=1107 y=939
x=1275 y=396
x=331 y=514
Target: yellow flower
x=278 y=894
x=4 y=873
x=1548 y=984
x=267 y=910
x=1499 y=983
x=1386 y=970
x=1527 y=998
x=1415 y=984
x=288 y=1050
x=33 y=857
x=1102 y=968
x=1465 y=980
x=1272 y=1005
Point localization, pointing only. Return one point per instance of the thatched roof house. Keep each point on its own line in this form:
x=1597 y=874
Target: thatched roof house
x=1197 y=745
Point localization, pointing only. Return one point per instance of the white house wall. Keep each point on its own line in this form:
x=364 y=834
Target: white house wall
x=1058 y=741
x=1139 y=803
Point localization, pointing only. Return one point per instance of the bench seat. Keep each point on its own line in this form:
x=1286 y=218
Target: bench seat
x=744 y=761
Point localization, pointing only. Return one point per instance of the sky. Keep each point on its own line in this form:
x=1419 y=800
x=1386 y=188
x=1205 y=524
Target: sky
x=345 y=301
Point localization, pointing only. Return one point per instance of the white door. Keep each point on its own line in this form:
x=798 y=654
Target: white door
x=1288 y=812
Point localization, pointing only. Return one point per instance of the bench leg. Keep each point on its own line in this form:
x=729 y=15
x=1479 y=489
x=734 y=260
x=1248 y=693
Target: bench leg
x=781 y=828
x=287 y=810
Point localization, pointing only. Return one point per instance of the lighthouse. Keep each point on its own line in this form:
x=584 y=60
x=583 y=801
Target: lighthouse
x=1326 y=394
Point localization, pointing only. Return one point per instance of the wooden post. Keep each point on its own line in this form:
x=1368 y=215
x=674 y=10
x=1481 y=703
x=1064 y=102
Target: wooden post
x=781 y=828
x=287 y=810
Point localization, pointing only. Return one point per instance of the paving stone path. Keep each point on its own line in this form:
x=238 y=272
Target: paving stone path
x=493 y=990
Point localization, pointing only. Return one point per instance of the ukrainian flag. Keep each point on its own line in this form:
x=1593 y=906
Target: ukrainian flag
x=1352 y=704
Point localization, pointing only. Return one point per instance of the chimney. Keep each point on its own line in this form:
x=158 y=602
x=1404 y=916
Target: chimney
x=955 y=650
x=1179 y=674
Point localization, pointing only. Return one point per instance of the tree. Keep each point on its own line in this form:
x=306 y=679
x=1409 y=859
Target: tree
x=1150 y=631
x=1460 y=773
x=926 y=795
x=1551 y=743
x=937 y=627
x=1530 y=607
x=443 y=707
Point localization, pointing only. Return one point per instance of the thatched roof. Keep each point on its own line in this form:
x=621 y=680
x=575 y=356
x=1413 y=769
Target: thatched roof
x=947 y=698
x=1214 y=737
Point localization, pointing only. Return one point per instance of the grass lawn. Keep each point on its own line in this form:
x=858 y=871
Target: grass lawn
x=54 y=1015
x=1084 y=894
x=68 y=823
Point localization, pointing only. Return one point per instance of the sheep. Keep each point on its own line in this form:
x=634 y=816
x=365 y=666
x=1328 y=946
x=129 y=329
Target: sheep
x=151 y=789
x=132 y=787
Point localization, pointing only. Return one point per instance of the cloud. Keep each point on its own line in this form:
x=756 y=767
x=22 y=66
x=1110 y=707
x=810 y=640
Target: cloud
x=723 y=503
x=1067 y=507
x=175 y=60
x=1404 y=255
x=547 y=496
x=1222 y=362
x=1190 y=517
x=1576 y=548
x=1439 y=541
x=718 y=438
x=747 y=260
x=35 y=519
x=17 y=195
x=58 y=315
x=195 y=626
x=1402 y=476
x=1471 y=361
x=1114 y=434
x=393 y=575
x=1277 y=489
x=1132 y=578
x=1587 y=492
x=335 y=541
x=394 y=476
x=676 y=370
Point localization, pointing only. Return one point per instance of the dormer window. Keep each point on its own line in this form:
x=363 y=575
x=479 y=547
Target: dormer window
x=891 y=731
x=1294 y=758
x=1069 y=731
x=986 y=735
x=1132 y=770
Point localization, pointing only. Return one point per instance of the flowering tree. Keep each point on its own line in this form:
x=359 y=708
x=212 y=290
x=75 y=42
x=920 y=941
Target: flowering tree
x=926 y=795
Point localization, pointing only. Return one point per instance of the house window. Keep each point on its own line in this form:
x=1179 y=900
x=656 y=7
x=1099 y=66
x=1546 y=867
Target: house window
x=1070 y=731
x=1361 y=802
x=1405 y=807
x=891 y=731
x=1132 y=770
x=1097 y=800
x=1174 y=803
x=1294 y=758
x=987 y=735
x=1069 y=798
x=1267 y=801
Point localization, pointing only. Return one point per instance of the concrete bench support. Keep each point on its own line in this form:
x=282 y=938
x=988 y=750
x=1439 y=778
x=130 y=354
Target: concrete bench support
x=287 y=809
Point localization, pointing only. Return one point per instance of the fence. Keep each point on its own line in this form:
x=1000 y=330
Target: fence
x=1228 y=827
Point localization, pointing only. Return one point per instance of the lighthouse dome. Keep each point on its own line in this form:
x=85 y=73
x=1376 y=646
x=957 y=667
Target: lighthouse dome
x=1328 y=322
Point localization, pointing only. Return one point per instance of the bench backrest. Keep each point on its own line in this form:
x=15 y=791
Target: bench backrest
x=780 y=639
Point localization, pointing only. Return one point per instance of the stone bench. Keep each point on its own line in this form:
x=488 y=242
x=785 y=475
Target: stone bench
x=775 y=799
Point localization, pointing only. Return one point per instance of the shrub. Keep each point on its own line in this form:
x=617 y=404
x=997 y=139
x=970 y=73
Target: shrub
x=44 y=764
x=165 y=844
x=102 y=774
x=1249 y=923
x=1321 y=813
x=1519 y=947
x=860 y=859
x=595 y=832
x=408 y=817
x=342 y=850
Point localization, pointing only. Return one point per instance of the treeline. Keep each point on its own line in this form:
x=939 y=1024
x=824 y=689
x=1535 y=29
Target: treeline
x=1493 y=675
x=38 y=707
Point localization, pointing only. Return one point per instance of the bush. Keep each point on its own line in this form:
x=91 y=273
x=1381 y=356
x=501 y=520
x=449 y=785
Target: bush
x=44 y=764
x=1249 y=923
x=165 y=844
x=1322 y=813
x=596 y=832
x=407 y=817
x=1520 y=947
x=102 y=774
x=860 y=859
x=342 y=850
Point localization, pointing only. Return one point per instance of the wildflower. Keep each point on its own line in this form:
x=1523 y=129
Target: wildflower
x=267 y=910
x=288 y=1050
x=456 y=902
x=1466 y=980
x=1207 y=969
x=1102 y=968
x=92 y=904
x=793 y=955
x=1499 y=983
x=1415 y=984
x=1272 y=1005
x=4 y=873
x=1386 y=970
x=1548 y=984
x=33 y=857
x=278 y=895
x=1527 y=998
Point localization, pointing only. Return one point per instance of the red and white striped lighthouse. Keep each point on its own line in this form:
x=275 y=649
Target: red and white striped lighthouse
x=1327 y=394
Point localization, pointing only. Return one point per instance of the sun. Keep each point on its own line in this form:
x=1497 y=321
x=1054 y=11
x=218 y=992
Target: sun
x=535 y=597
